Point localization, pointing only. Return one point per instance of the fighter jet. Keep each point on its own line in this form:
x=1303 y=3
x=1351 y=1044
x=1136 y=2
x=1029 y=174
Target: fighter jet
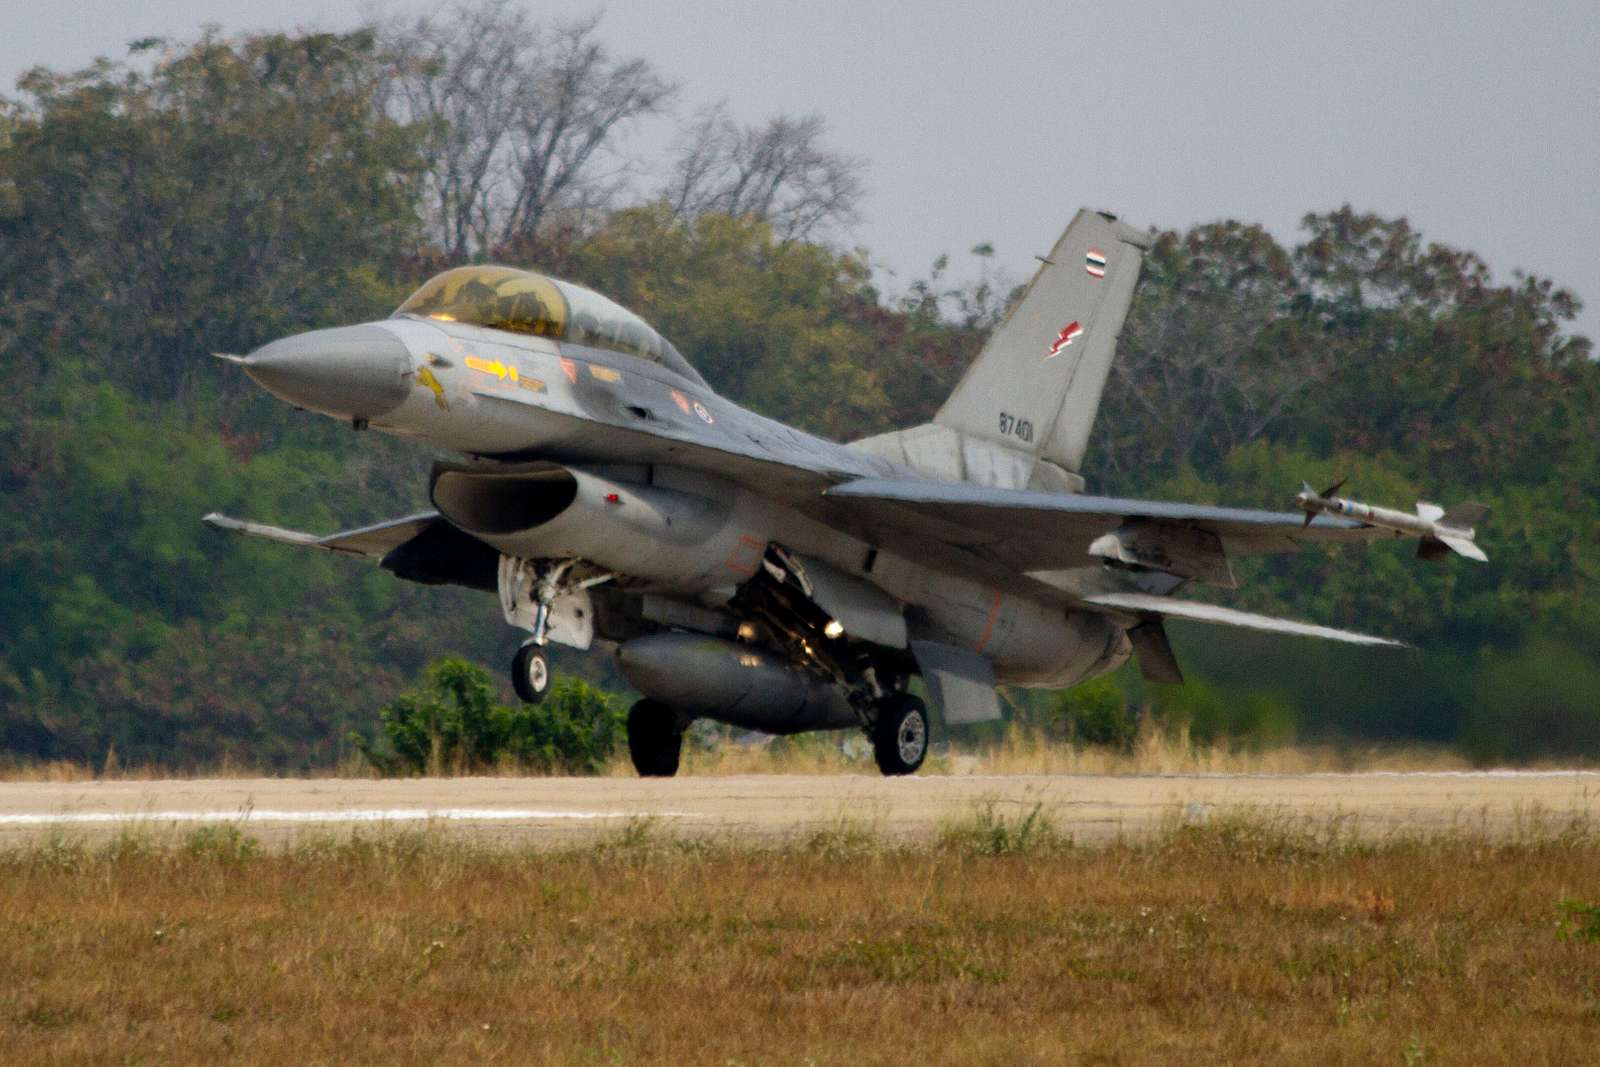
x=754 y=574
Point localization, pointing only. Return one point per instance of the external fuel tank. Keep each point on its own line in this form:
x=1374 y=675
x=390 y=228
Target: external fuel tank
x=737 y=684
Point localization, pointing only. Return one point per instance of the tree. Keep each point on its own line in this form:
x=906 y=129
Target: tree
x=1200 y=368
x=208 y=202
x=453 y=723
x=525 y=118
x=779 y=172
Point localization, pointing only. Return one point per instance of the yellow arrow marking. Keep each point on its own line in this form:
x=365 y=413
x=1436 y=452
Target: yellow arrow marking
x=500 y=370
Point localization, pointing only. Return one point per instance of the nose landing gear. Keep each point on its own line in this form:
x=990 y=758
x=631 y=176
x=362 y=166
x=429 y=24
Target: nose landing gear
x=530 y=673
x=549 y=600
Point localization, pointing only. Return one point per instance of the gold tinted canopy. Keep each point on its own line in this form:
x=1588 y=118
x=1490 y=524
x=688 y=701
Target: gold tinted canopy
x=521 y=301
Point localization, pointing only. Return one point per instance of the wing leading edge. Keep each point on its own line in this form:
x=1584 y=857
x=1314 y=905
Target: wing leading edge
x=418 y=548
x=372 y=542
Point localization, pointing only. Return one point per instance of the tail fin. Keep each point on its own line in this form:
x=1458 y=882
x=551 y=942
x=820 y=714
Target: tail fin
x=1036 y=385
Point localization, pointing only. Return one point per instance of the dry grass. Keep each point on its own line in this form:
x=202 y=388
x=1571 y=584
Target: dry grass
x=841 y=754
x=1244 y=940
x=1155 y=751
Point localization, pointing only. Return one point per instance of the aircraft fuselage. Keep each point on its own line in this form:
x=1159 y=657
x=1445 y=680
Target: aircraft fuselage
x=620 y=423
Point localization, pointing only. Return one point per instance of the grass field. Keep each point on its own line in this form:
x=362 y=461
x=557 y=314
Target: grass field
x=1247 y=939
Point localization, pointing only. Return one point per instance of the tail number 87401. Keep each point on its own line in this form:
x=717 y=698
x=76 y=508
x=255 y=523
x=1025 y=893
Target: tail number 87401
x=1021 y=429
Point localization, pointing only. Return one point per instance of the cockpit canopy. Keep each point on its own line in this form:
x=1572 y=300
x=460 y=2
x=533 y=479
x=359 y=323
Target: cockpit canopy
x=505 y=298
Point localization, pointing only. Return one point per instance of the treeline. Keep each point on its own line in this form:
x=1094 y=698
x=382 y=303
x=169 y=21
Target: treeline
x=215 y=194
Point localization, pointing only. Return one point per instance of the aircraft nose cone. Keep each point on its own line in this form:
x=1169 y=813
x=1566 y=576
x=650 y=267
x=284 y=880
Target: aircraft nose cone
x=354 y=372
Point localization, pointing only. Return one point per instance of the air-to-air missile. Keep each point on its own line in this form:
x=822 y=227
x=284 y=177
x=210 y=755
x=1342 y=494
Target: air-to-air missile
x=1442 y=530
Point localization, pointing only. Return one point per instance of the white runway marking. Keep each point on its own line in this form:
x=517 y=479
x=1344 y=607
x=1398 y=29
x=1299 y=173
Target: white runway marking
x=1269 y=776
x=382 y=815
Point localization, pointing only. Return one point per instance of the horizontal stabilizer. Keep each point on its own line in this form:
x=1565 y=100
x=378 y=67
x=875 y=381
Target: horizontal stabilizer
x=1429 y=512
x=1148 y=604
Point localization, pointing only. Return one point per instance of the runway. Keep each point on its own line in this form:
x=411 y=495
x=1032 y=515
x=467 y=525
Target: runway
x=1089 y=807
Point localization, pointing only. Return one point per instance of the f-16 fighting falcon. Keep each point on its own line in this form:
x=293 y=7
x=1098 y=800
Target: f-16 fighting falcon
x=750 y=573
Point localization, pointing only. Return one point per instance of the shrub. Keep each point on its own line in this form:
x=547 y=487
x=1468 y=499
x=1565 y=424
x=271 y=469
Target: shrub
x=1094 y=713
x=454 y=723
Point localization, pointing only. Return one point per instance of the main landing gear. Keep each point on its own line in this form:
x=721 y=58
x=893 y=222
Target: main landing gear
x=900 y=736
x=655 y=739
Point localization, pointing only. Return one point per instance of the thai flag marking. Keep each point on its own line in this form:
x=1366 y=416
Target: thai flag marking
x=1069 y=333
x=1094 y=261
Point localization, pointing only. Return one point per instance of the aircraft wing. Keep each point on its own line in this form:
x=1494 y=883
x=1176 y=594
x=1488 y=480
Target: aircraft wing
x=1037 y=531
x=418 y=548
x=372 y=542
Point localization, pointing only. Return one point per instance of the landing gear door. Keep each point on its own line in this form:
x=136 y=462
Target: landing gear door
x=570 y=619
x=960 y=681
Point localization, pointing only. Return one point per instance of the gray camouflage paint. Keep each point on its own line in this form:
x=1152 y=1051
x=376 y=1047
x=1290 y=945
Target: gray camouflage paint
x=677 y=492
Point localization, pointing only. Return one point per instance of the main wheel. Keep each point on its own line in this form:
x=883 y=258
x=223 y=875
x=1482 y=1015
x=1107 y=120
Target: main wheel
x=900 y=739
x=530 y=674
x=654 y=740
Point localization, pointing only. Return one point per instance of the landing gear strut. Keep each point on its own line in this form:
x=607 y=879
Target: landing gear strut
x=530 y=673
x=544 y=598
x=900 y=736
x=654 y=739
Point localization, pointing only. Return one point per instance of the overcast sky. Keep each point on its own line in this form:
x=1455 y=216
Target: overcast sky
x=994 y=122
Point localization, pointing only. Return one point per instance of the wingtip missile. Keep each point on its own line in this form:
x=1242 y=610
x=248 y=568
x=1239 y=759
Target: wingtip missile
x=1443 y=531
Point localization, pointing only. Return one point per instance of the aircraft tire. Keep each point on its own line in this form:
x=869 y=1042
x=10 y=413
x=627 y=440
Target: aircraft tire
x=654 y=740
x=530 y=674
x=900 y=738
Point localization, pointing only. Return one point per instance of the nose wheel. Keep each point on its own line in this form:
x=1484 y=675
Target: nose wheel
x=900 y=737
x=530 y=674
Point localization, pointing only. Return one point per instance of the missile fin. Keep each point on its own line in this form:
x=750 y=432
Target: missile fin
x=1464 y=546
x=1432 y=549
x=1430 y=512
x=1463 y=516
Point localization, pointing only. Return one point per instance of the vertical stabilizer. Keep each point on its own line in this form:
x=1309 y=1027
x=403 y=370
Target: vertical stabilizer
x=1036 y=385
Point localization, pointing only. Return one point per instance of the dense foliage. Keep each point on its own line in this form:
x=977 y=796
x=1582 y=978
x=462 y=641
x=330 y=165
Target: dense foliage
x=215 y=195
x=453 y=723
